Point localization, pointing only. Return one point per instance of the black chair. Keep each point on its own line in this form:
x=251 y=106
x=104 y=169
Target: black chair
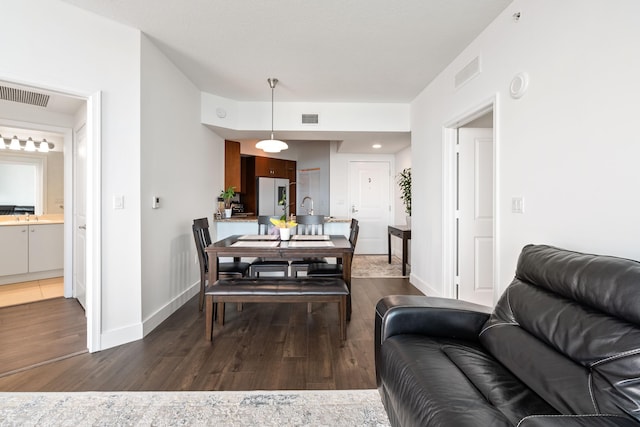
x=307 y=225
x=334 y=270
x=202 y=238
x=264 y=265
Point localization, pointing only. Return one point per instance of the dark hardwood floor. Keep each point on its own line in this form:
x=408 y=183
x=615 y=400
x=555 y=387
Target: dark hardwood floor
x=37 y=332
x=263 y=347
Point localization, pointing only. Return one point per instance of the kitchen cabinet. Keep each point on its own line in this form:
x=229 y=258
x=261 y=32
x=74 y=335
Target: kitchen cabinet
x=46 y=247
x=269 y=167
x=232 y=166
x=31 y=248
x=14 y=250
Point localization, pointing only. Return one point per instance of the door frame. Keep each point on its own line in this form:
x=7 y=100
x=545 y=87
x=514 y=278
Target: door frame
x=449 y=194
x=94 y=196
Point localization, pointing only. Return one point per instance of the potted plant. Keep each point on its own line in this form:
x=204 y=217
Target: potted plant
x=284 y=227
x=404 y=181
x=227 y=195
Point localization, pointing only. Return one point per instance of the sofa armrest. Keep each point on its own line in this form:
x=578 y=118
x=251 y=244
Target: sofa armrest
x=576 y=421
x=435 y=317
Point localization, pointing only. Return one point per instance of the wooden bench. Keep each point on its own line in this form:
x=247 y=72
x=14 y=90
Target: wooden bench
x=277 y=290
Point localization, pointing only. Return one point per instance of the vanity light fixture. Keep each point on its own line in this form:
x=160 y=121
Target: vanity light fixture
x=44 y=146
x=15 y=143
x=272 y=145
x=29 y=144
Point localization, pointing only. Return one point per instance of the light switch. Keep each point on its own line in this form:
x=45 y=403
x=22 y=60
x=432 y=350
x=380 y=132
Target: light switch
x=156 y=202
x=118 y=202
x=517 y=205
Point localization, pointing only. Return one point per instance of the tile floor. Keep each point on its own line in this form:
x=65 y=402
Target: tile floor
x=37 y=290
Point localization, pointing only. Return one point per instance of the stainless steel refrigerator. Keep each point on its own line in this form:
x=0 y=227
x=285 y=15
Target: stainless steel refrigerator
x=273 y=196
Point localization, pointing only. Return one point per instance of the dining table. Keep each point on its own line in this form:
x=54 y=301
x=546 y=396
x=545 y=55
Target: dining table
x=270 y=246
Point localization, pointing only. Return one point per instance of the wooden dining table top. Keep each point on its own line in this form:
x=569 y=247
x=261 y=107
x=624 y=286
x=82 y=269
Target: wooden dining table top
x=272 y=246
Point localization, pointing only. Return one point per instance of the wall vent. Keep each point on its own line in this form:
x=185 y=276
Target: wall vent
x=309 y=119
x=23 y=96
x=471 y=70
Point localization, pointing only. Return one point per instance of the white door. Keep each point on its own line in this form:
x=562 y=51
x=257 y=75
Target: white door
x=79 y=215
x=475 y=206
x=370 y=204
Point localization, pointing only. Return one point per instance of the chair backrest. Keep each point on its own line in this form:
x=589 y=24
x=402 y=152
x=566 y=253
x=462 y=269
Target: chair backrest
x=202 y=238
x=353 y=236
x=310 y=224
x=264 y=224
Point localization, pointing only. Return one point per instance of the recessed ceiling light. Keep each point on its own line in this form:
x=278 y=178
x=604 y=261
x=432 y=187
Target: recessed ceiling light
x=376 y=146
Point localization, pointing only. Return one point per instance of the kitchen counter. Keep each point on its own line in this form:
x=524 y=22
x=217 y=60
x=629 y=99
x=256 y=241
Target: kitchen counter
x=8 y=220
x=241 y=218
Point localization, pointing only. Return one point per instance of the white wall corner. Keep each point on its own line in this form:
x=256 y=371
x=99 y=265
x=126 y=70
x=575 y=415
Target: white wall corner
x=162 y=314
x=120 y=336
x=424 y=287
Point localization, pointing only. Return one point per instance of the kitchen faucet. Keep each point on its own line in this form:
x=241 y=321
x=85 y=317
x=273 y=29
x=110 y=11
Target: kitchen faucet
x=310 y=211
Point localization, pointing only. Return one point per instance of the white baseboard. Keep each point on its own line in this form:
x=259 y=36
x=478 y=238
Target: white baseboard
x=120 y=336
x=153 y=320
x=423 y=286
x=136 y=332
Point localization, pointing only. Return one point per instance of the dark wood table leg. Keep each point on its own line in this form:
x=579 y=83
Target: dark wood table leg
x=405 y=251
x=389 y=245
x=346 y=276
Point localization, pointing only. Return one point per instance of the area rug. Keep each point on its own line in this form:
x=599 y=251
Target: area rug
x=377 y=266
x=219 y=408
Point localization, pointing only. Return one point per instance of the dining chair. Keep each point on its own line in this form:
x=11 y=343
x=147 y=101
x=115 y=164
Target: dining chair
x=202 y=238
x=330 y=269
x=307 y=225
x=264 y=265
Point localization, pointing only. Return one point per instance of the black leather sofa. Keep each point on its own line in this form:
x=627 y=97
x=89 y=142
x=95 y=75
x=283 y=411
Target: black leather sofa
x=561 y=348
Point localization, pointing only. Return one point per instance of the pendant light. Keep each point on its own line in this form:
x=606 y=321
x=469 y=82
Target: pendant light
x=272 y=145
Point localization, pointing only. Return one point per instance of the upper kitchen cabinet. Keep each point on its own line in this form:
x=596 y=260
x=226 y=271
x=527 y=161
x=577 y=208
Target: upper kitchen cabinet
x=232 y=166
x=272 y=168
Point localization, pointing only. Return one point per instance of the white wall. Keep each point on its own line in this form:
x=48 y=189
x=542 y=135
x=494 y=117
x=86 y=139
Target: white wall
x=402 y=161
x=567 y=146
x=182 y=162
x=315 y=155
x=83 y=54
x=287 y=115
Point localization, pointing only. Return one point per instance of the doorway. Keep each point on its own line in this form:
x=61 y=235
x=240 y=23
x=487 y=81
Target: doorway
x=370 y=197
x=88 y=116
x=469 y=221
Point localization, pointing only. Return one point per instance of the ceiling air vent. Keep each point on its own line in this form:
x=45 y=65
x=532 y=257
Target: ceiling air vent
x=470 y=70
x=23 y=96
x=309 y=119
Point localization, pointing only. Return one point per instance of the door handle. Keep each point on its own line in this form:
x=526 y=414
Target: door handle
x=82 y=227
x=353 y=209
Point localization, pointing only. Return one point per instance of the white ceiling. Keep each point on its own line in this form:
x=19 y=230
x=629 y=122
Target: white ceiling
x=322 y=51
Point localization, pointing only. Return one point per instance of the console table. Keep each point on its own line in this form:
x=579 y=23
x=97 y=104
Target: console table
x=403 y=232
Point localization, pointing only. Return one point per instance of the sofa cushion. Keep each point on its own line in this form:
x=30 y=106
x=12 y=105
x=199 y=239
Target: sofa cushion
x=569 y=327
x=452 y=382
